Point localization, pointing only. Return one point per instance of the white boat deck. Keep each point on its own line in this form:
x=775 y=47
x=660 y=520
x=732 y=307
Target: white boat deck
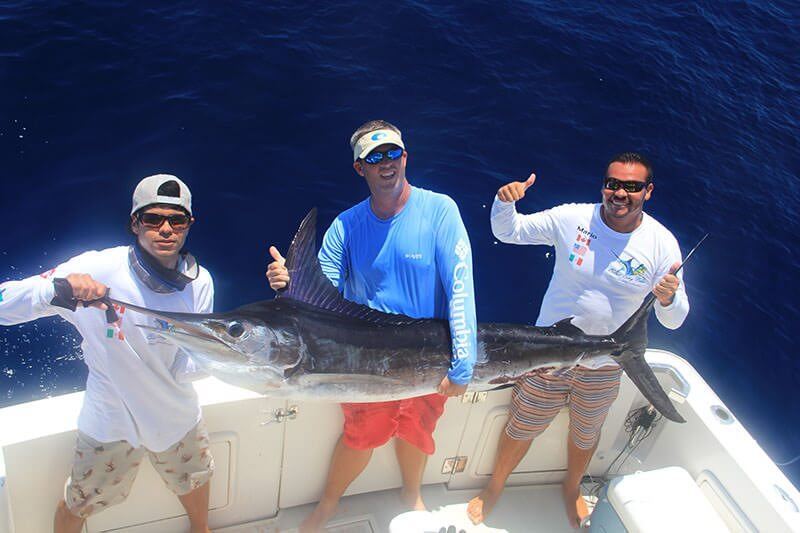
x=271 y=470
x=534 y=509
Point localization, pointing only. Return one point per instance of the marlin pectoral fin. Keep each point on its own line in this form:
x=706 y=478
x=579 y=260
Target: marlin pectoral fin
x=501 y=387
x=642 y=376
x=566 y=327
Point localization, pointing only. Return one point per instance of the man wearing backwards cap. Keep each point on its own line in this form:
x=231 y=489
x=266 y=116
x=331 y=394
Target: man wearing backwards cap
x=402 y=250
x=138 y=399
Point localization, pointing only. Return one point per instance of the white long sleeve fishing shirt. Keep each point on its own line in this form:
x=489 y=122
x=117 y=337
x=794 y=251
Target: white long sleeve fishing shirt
x=132 y=392
x=600 y=276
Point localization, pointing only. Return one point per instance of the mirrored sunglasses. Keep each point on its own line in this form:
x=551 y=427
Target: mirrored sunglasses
x=375 y=157
x=613 y=184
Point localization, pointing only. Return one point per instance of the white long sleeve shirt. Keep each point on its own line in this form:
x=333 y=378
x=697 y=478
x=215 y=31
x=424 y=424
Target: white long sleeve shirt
x=600 y=276
x=131 y=391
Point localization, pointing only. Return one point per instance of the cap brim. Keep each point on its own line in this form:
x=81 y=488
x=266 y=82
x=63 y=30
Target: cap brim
x=368 y=142
x=364 y=153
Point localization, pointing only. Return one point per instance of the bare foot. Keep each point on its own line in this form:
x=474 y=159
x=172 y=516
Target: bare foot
x=318 y=518
x=481 y=505
x=413 y=500
x=574 y=505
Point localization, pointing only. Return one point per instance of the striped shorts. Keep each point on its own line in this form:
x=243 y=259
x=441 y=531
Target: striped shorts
x=537 y=399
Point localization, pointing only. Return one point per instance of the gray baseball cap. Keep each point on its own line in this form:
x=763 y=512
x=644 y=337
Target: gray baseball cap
x=161 y=189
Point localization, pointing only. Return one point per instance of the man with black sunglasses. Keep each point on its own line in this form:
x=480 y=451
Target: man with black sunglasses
x=138 y=399
x=402 y=250
x=609 y=256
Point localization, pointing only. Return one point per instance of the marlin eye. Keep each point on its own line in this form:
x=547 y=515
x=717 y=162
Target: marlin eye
x=236 y=330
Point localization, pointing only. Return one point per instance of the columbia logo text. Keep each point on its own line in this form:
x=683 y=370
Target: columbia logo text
x=458 y=316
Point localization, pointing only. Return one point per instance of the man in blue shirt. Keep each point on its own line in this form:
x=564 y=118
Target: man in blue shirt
x=402 y=250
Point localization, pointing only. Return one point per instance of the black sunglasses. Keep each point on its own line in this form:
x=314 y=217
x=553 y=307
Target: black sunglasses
x=613 y=184
x=154 y=220
x=376 y=157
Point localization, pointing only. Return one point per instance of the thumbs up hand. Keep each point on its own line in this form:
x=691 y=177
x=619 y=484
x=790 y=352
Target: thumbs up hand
x=665 y=290
x=277 y=273
x=515 y=190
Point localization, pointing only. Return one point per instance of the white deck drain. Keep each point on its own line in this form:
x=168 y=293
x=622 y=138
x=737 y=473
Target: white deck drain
x=249 y=529
x=359 y=526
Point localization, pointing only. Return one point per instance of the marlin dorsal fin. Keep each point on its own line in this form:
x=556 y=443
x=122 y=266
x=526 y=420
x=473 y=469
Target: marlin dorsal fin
x=308 y=284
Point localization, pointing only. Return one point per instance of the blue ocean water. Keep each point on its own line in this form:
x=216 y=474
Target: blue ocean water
x=253 y=106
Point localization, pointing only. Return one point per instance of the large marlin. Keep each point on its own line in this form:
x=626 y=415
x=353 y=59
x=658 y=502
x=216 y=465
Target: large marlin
x=310 y=343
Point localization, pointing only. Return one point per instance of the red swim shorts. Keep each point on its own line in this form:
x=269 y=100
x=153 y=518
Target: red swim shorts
x=369 y=425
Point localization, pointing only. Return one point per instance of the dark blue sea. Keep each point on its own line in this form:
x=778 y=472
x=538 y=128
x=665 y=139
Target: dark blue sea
x=253 y=106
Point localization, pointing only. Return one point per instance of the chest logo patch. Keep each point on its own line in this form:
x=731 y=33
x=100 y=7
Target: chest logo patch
x=630 y=269
x=579 y=249
x=462 y=249
x=153 y=338
x=114 y=331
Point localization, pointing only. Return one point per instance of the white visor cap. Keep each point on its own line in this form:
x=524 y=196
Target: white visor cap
x=146 y=193
x=369 y=141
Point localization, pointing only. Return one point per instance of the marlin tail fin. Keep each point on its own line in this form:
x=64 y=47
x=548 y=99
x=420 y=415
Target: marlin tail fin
x=633 y=336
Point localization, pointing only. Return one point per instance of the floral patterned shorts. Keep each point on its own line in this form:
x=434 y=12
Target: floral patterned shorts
x=103 y=472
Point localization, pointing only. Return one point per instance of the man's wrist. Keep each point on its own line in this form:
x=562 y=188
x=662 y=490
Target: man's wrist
x=670 y=303
x=62 y=295
x=459 y=381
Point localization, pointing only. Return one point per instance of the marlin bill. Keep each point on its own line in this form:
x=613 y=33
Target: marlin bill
x=309 y=343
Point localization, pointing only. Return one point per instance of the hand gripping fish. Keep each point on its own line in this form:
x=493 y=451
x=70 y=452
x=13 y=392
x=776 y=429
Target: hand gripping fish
x=309 y=343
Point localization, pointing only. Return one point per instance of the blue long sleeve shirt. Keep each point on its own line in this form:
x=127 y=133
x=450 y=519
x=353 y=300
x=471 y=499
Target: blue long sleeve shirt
x=417 y=263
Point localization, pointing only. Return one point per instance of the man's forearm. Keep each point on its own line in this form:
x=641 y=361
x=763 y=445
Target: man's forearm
x=463 y=324
x=25 y=300
x=504 y=222
x=673 y=315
